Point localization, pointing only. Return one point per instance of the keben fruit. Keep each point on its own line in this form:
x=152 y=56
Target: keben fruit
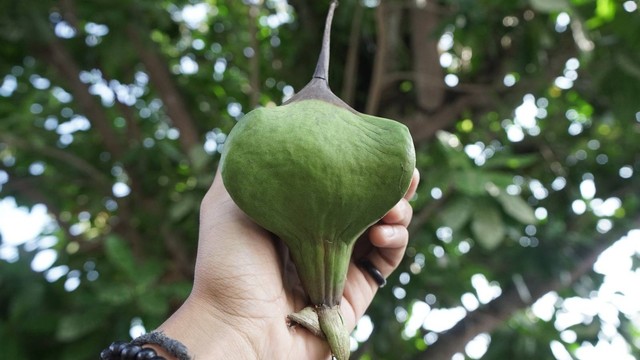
x=317 y=174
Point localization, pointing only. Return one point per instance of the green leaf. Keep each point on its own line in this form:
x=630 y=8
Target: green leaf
x=153 y=303
x=199 y=158
x=115 y=295
x=511 y=161
x=180 y=209
x=457 y=213
x=628 y=65
x=149 y=273
x=517 y=208
x=487 y=226
x=549 y=6
x=119 y=254
x=452 y=150
x=10 y=343
x=169 y=150
x=606 y=9
x=74 y=326
x=474 y=181
x=470 y=181
x=179 y=289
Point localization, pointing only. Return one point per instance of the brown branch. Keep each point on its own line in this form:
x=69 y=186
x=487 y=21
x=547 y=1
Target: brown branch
x=69 y=13
x=61 y=60
x=254 y=61
x=381 y=61
x=426 y=59
x=488 y=318
x=308 y=32
x=55 y=54
x=306 y=14
x=437 y=83
x=161 y=77
x=423 y=127
x=68 y=9
x=124 y=226
x=134 y=134
x=64 y=156
x=351 y=64
x=476 y=98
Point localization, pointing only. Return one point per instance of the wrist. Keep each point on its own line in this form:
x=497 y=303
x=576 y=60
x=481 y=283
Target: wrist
x=207 y=332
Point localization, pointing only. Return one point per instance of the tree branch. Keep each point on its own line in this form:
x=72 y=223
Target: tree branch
x=55 y=54
x=254 y=61
x=423 y=126
x=63 y=156
x=426 y=58
x=351 y=64
x=381 y=60
x=69 y=12
x=161 y=77
x=307 y=17
x=134 y=134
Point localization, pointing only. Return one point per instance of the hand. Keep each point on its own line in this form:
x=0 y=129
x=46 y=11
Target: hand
x=245 y=285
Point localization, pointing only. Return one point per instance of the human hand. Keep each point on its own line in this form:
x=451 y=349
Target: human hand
x=245 y=284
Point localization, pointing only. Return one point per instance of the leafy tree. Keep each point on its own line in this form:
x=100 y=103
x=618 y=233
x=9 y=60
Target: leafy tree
x=525 y=116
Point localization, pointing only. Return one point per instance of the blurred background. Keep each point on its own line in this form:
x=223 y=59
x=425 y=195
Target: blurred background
x=525 y=116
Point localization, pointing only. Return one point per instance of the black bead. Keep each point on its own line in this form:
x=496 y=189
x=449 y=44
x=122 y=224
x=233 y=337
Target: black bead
x=157 y=358
x=113 y=351
x=105 y=354
x=117 y=346
x=130 y=352
x=146 y=354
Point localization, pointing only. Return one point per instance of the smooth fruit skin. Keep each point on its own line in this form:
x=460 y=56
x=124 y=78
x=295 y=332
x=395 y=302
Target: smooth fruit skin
x=317 y=175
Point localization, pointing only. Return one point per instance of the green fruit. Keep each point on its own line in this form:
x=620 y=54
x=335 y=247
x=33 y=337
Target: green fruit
x=317 y=174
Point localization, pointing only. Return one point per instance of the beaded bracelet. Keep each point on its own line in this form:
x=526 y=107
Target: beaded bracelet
x=120 y=350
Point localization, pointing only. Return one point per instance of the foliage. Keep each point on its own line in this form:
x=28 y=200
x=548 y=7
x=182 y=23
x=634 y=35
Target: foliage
x=113 y=115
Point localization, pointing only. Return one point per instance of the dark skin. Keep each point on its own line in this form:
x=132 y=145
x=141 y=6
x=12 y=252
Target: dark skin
x=245 y=286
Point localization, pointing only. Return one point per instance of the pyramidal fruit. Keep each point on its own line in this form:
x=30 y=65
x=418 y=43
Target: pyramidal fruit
x=317 y=174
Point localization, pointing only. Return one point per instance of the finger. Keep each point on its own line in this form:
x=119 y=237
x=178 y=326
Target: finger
x=400 y=214
x=415 y=180
x=390 y=243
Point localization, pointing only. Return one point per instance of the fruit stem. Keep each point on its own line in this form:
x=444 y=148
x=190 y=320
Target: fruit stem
x=333 y=327
x=322 y=68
